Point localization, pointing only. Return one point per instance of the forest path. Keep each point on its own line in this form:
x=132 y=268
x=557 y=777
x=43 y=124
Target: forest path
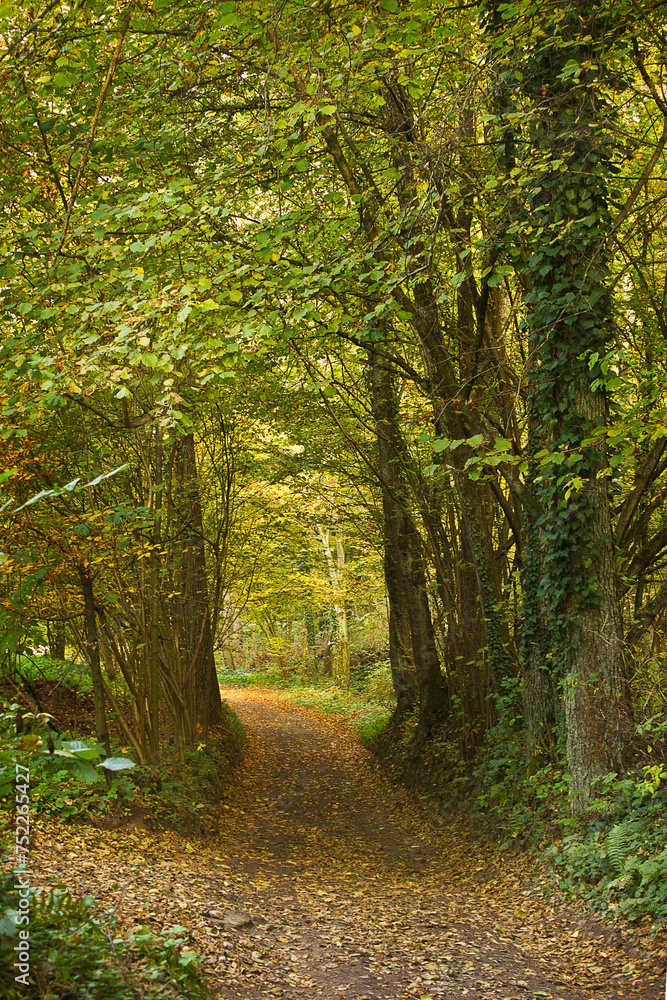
x=353 y=893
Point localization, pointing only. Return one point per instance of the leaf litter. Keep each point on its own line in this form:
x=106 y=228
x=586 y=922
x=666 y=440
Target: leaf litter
x=325 y=881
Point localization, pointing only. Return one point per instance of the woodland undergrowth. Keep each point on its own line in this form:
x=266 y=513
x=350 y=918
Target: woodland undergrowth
x=77 y=949
x=56 y=739
x=613 y=855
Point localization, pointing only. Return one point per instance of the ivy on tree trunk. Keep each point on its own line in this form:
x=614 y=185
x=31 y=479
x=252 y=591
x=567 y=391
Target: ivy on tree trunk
x=559 y=198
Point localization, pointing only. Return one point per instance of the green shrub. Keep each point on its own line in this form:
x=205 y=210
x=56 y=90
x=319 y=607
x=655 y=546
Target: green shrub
x=272 y=677
x=373 y=729
x=615 y=855
x=378 y=685
x=65 y=673
x=75 y=951
x=66 y=776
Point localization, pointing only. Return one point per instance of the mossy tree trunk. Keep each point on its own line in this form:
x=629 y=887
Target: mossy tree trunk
x=573 y=634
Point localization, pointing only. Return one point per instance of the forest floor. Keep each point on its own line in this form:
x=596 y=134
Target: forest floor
x=327 y=882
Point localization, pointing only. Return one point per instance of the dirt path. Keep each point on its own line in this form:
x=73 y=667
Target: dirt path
x=350 y=893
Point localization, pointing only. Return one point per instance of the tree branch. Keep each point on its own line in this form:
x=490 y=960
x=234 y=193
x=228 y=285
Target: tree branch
x=646 y=617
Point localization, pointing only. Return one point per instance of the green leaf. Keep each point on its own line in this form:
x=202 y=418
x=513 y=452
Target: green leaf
x=8 y=923
x=117 y=763
x=188 y=956
x=64 y=79
x=83 y=771
x=82 y=750
x=441 y=444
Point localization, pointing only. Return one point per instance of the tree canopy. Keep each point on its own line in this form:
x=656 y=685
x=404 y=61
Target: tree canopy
x=317 y=314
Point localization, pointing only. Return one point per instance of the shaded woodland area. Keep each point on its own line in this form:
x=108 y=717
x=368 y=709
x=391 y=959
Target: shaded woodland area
x=338 y=331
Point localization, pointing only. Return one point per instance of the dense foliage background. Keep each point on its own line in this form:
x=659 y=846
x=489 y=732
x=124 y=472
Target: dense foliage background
x=333 y=341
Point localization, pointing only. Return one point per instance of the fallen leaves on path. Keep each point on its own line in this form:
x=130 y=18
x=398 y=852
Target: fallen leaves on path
x=325 y=881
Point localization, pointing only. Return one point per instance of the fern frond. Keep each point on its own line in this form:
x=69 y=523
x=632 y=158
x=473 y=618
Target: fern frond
x=618 y=846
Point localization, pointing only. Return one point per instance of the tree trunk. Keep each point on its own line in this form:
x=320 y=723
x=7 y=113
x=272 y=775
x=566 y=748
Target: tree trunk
x=310 y=640
x=468 y=644
x=404 y=566
x=336 y=568
x=93 y=654
x=56 y=637
x=343 y=621
x=195 y=635
x=473 y=500
x=445 y=389
x=153 y=644
x=595 y=706
x=567 y=160
x=537 y=642
x=403 y=673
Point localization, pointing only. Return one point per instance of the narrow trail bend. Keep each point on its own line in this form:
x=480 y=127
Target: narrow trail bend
x=363 y=898
x=351 y=892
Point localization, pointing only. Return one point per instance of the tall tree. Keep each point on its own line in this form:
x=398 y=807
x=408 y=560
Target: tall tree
x=561 y=195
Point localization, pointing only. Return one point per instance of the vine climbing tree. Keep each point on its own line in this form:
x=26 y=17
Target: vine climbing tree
x=559 y=203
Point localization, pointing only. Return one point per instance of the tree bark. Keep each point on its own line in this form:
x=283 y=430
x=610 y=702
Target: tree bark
x=93 y=654
x=537 y=641
x=595 y=703
x=404 y=567
x=403 y=673
x=195 y=635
